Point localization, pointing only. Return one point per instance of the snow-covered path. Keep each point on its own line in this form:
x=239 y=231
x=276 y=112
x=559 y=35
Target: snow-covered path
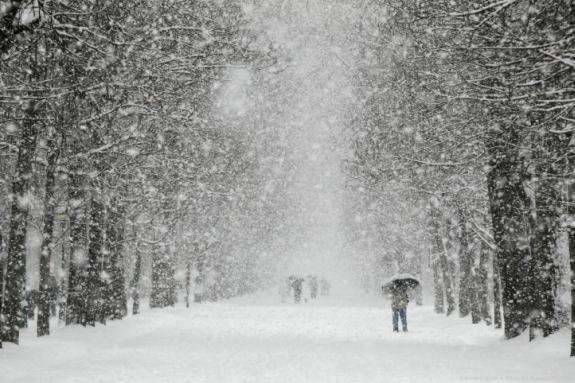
x=242 y=341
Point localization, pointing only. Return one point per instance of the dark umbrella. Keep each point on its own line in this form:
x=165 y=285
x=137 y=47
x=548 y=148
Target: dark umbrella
x=404 y=280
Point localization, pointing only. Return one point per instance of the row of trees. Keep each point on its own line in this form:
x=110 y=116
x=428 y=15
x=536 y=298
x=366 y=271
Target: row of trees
x=468 y=110
x=116 y=170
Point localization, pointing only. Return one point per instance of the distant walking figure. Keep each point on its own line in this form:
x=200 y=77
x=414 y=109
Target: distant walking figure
x=398 y=286
x=399 y=301
x=297 y=286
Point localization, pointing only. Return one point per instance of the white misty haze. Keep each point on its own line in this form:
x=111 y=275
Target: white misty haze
x=308 y=111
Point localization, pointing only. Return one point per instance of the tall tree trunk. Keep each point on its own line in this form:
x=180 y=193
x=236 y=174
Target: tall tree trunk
x=136 y=282
x=63 y=283
x=436 y=250
x=93 y=294
x=117 y=303
x=571 y=232
x=479 y=281
x=438 y=299
x=163 y=284
x=545 y=273
x=446 y=270
x=76 y=281
x=482 y=283
x=474 y=297
x=572 y=263
x=508 y=213
x=43 y=323
x=1 y=281
x=465 y=263
x=188 y=282
x=497 y=319
x=545 y=224
x=13 y=311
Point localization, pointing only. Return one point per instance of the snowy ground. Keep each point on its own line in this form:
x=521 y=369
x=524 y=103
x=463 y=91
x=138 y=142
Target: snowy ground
x=257 y=339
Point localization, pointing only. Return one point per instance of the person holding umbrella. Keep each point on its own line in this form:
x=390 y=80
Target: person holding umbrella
x=399 y=301
x=397 y=287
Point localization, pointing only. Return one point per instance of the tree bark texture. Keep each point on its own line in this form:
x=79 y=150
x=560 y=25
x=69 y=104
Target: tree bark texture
x=13 y=310
x=46 y=279
x=508 y=212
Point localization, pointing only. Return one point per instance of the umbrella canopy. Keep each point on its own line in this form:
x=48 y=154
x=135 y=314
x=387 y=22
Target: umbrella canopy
x=400 y=280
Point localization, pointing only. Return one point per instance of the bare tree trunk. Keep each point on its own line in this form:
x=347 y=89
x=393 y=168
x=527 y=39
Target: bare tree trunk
x=438 y=301
x=447 y=278
x=508 y=212
x=43 y=323
x=465 y=263
x=1 y=281
x=117 y=303
x=188 y=282
x=482 y=284
x=545 y=224
x=13 y=312
x=136 y=282
x=93 y=293
x=76 y=283
x=63 y=283
x=497 y=318
x=436 y=250
x=571 y=213
x=572 y=263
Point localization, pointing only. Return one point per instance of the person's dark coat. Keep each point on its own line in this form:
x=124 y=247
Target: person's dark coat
x=399 y=298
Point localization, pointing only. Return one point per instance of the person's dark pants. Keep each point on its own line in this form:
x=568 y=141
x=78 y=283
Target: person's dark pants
x=399 y=313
